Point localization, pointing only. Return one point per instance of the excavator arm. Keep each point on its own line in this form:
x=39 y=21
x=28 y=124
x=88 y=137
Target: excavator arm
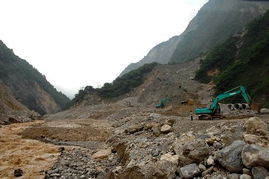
x=214 y=107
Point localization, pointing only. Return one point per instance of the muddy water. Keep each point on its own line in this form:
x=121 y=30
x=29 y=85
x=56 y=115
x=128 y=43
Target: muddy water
x=33 y=157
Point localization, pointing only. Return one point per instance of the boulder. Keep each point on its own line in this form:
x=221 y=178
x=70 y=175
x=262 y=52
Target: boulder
x=196 y=150
x=202 y=167
x=233 y=176
x=245 y=176
x=166 y=128
x=254 y=155
x=102 y=154
x=208 y=171
x=170 y=122
x=135 y=128
x=246 y=171
x=189 y=171
x=18 y=173
x=259 y=172
x=230 y=156
x=256 y=126
x=171 y=158
x=210 y=161
x=264 y=111
x=167 y=167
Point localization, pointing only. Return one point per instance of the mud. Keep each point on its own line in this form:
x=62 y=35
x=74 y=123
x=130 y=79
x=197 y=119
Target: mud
x=33 y=157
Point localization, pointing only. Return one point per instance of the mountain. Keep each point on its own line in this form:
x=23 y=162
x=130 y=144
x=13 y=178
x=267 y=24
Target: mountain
x=28 y=85
x=241 y=60
x=12 y=110
x=216 y=21
x=161 y=53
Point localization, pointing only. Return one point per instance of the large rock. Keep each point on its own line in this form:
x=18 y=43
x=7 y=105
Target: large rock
x=245 y=176
x=102 y=154
x=171 y=158
x=167 y=167
x=259 y=172
x=264 y=110
x=189 y=171
x=233 y=176
x=230 y=156
x=254 y=155
x=256 y=126
x=135 y=128
x=197 y=150
x=166 y=128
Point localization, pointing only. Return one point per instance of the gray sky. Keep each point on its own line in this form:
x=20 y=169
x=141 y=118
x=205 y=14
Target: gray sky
x=76 y=43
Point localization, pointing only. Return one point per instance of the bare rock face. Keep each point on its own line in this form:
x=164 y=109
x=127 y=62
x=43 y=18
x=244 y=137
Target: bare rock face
x=256 y=126
x=254 y=155
x=189 y=171
x=259 y=172
x=230 y=156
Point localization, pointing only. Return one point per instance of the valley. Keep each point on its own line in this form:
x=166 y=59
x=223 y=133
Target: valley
x=144 y=124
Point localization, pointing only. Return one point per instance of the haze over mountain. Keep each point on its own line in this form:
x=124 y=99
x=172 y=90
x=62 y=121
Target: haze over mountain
x=215 y=22
x=28 y=86
x=77 y=43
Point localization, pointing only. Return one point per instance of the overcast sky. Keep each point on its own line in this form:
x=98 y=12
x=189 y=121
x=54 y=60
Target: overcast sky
x=76 y=43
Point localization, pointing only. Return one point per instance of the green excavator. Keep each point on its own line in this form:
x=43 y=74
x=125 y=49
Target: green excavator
x=162 y=103
x=213 y=111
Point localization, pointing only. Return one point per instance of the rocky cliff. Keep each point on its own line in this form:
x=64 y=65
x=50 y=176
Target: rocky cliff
x=28 y=85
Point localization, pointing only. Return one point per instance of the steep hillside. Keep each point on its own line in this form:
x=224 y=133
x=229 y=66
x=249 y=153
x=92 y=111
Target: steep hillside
x=215 y=23
x=10 y=109
x=118 y=88
x=28 y=85
x=241 y=60
x=161 y=53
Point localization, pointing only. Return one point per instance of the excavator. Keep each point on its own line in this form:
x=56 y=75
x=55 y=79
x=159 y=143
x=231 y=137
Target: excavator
x=213 y=111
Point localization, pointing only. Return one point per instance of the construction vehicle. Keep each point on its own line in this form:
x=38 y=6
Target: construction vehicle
x=213 y=111
x=162 y=103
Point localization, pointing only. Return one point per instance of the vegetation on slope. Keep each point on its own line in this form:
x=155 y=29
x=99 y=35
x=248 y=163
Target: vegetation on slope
x=119 y=86
x=214 y=24
x=22 y=78
x=248 y=65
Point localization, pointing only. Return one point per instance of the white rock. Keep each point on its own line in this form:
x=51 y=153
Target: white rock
x=264 y=110
x=166 y=128
x=210 y=161
x=245 y=176
x=170 y=157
